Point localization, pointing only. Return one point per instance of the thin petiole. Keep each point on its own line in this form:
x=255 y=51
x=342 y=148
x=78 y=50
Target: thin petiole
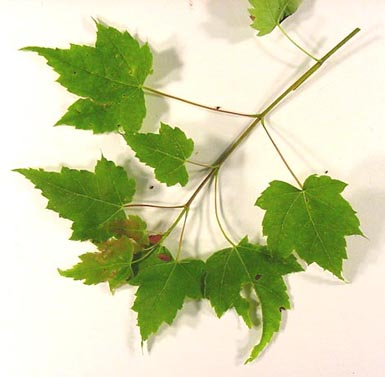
x=133 y=205
x=182 y=235
x=200 y=164
x=150 y=249
x=280 y=153
x=216 y=206
x=296 y=44
x=217 y=109
x=226 y=154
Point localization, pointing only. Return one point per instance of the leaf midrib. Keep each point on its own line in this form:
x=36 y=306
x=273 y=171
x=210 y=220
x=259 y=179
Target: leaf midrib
x=77 y=194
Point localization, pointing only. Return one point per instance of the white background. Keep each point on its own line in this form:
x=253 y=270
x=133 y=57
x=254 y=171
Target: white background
x=204 y=51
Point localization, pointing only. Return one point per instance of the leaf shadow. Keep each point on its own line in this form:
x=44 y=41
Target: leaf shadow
x=361 y=42
x=186 y=317
x=204 y=204
x=167 y=66
x=232 y=21
x=285 y=136
x=369 y=203
x=146 y=184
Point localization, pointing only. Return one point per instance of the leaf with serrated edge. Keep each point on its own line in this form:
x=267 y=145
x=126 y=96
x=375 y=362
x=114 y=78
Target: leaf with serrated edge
x=230 y=270
x=111 y=264
x=90 y=200
x=312 y=221
x=109 y=76
x=163 y=287
x=166 y=152
x=267 y=14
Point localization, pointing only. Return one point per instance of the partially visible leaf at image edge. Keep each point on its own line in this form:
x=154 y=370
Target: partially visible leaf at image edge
x=230 y=270
x=313 y=221
x=166 y=152
x=267 y=14
x=90 y=200
x=108 y=76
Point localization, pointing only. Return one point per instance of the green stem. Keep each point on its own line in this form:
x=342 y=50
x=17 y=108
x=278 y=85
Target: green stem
x=217 y=109
x=280 y=154
x=182 y=235
x=145 y=256
x=226 y=154
x=281 y=97
x=200 y=164
x=216 y=207
x=295 y=43
x=133 y=205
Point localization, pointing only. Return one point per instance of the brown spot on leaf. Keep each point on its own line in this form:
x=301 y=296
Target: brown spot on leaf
x=257 y=277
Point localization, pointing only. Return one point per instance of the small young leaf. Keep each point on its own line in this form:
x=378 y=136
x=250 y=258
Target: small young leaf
x=110 y=77
x=163 y=287
x=90 y=200
x=230 y=270
x=111 y=264
x=133 y=228
x=167 y=152
x=313 y=221
x=267 y=14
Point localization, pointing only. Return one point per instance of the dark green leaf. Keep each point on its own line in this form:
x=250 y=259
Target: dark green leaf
x=313 y=221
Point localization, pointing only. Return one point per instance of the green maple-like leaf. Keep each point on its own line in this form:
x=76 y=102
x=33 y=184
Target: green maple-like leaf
x=108 y=76
x=90 y=200
x=111 y=264
x=163 y=287
x=313 y=221
x=231 y=270
x=167 y=152
x=268 y=14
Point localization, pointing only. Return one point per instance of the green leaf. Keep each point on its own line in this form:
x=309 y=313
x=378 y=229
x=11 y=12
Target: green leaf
x=90 y=200
x=163 y=287
x=313 y=221
x=267 y=14
x=109 y=76
x=167 y=152
x=231 y=270
x=112 y=264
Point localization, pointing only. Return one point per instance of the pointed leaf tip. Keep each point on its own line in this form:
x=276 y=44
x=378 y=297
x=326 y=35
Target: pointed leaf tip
x=313 y=222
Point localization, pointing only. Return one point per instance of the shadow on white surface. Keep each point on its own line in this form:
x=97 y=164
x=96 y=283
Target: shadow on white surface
x=370 y=205
x=185 y=317
x=230 y=21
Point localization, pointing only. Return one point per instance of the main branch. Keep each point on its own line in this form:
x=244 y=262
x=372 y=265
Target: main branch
x=227 y=153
